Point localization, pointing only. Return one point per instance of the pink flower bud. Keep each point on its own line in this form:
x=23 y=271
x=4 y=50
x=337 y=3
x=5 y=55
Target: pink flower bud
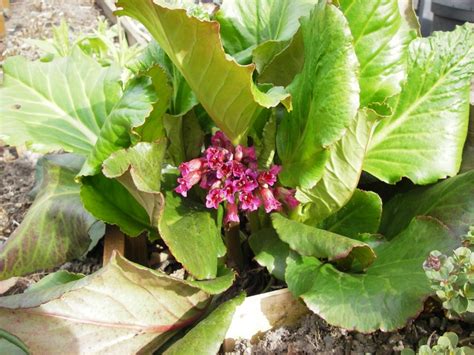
x=270 y=203
x=239 y=153
x=287 y=196
x=232 y=215
x=190 y=166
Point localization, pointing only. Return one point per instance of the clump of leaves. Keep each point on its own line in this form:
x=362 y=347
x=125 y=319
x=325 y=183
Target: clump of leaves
x=305 y=95
x=452 y=277
x=447 y=345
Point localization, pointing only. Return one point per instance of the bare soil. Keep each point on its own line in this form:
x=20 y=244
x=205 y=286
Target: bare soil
x=34 y=19
x=314 y=336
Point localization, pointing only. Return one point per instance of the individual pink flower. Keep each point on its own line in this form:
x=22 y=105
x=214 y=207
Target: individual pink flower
x=214 y=198
x=249 y=202
x=229 y=191
x=216 y=157
x=183 y=187
x=270 y=203
x=269 y=177
x=224 y=170
x=232 y=215
x=247 y=182
x=287 y=196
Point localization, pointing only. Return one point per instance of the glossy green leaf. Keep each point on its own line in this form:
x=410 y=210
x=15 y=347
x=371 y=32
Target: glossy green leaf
x=224 y=279
x=56 y=227
x=143 y=160
x=250 y=26
x=109 y=201
x=424 y=137
x=361 y=214
x=381 y=37
x=122 y=308
x=11 y=345
x=341 y=172
x=310 y=241
x=190 y=232
x=318 y=121
x=451 y=201
x=131 y=110
x=208 y=335
x=270 y=251
x=392 y=290
x=284 y=65
x=223 y=87
x=57 y=105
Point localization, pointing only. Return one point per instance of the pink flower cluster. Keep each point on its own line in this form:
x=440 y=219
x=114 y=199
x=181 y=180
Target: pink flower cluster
x=230 y=175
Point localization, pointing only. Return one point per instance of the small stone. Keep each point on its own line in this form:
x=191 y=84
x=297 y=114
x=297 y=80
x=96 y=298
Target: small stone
x=394 y=338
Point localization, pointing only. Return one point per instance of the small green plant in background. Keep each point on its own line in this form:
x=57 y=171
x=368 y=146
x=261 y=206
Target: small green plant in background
x=452 y=277
x=446 y=345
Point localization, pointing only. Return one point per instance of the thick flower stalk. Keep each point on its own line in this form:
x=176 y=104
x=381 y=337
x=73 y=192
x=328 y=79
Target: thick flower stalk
x=231 y=176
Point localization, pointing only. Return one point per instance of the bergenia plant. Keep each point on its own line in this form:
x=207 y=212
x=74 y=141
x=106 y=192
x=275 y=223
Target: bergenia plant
x=261 y=132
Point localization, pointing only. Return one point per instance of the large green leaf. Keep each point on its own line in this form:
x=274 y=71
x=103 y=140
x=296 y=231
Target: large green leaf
x=191 y=233
x=317 y=120
x=360 y=215
x=122 y=308
x=391 y=291
x=259 y=25
x=451 y=201
x=284 y=65
x=208 y=335
x=131 y=110
x=143 y=160
x=270 y=251
x=223 y=87
x=424 y=137
x=57 y=105
x=381 y=37
x=341 y=172
x=310 y=241
x=111 y=202
x=56 y=228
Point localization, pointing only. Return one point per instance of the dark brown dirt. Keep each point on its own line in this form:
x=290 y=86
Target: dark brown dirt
x=34 y=19
x=314 y=336
x=16 y=181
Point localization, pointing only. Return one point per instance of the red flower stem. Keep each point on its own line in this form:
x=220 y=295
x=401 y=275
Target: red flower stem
x=234 y=251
